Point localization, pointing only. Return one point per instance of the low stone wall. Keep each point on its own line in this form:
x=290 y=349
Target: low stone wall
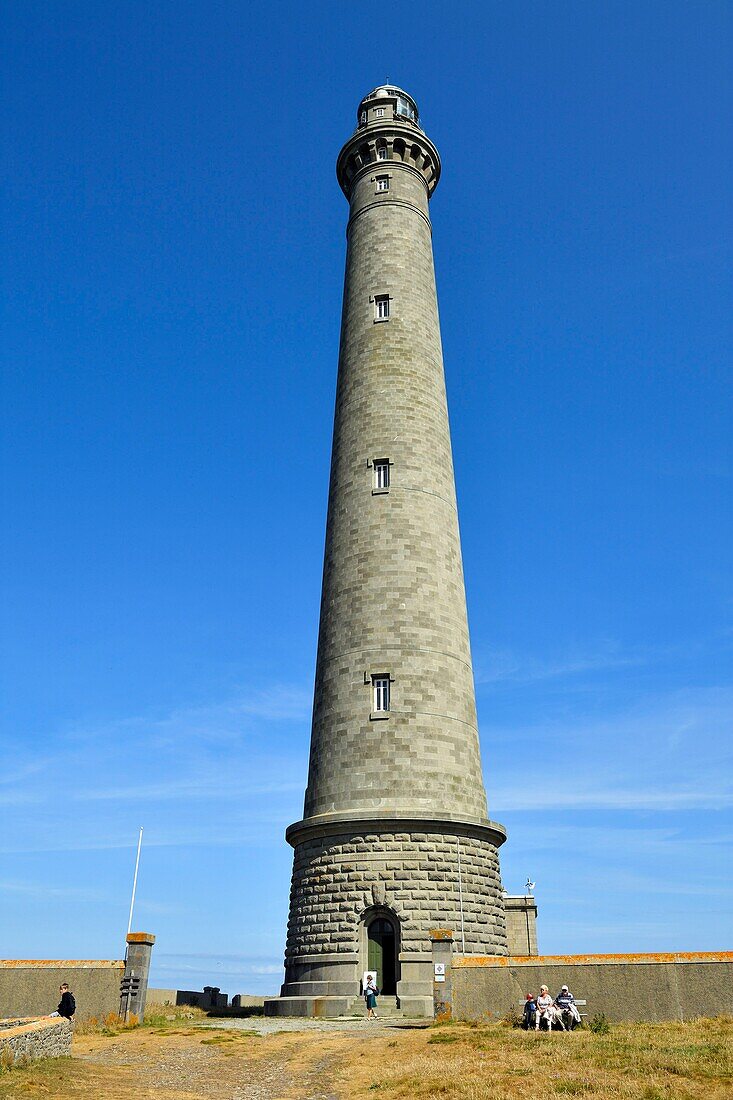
x=30 y=987
x=162 y=996
x=623 y=987
x=23 y=1041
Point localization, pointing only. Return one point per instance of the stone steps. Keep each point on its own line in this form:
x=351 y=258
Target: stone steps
x=387 y=1008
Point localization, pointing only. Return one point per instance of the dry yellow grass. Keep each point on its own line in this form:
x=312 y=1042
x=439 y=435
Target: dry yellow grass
x=633 y=1062
x=176 y=1060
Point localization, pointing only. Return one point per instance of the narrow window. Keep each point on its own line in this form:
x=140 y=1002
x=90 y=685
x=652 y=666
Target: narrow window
x=379 y=112
x=362 y=118
x=381 y=473
x=382 y=183
x=381 y=693
x=381 y=307
x=381 y=153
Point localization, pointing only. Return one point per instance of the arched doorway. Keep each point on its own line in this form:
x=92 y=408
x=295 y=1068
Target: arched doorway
x=382 y=953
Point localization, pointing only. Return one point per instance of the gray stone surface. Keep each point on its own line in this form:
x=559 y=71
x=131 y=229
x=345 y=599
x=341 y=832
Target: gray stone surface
x=521 y=924
x=161 y=996
x=25 y=1042
x=640 y=987
x=137 y=971
x=273 y=1025
x=30 y=987
x=387 y=800
x=441 y=940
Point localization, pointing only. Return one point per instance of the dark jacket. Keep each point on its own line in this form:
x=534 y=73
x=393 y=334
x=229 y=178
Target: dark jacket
x=67 y=1005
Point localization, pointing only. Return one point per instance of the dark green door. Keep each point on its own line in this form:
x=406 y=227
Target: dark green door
x=382 y=954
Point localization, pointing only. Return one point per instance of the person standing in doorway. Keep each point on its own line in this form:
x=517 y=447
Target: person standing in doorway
x=370 y=996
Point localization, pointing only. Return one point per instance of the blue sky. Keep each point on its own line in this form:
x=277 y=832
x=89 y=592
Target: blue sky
x=172 y=267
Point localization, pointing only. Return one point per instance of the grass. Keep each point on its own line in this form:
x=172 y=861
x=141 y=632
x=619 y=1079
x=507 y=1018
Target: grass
x=172 y=1016
x=628 y=1061
x=689 y=1061
x=108 y=1025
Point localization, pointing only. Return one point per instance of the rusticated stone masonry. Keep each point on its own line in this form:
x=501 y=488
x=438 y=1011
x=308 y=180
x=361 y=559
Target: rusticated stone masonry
x=336 y=880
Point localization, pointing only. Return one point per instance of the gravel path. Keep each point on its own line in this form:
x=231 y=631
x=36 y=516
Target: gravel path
x=277 y=1025
x=259 y=1058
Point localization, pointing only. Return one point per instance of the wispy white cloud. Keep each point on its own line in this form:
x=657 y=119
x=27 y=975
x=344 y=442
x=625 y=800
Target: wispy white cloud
x=502 y=665
x=217 y=721
x=43 y=891
x=188 y=789
x=18 y=798
x=668 y=752
x=214 y=833
x=497 y=665
x=535 y=794
x=247 y=972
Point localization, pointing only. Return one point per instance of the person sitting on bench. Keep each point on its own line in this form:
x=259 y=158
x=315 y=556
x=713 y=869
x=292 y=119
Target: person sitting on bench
x=529 y=1012
x=545 y=1009
x=565 y=1002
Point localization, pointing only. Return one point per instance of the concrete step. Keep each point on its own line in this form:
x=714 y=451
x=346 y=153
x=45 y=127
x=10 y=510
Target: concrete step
x=387 y=1008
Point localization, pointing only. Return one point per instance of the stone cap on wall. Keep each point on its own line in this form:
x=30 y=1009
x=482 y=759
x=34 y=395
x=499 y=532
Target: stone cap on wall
x=60 y=964
x=141 y=937
x=584 y=960
x=32 y=1023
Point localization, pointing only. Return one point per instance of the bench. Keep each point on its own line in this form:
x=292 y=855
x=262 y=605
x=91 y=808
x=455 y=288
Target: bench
x=580 y=1002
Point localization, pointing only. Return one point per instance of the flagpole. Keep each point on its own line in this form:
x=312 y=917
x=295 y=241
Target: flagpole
x=134 y=881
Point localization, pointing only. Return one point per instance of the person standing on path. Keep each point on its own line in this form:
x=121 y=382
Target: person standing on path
x=370 y=996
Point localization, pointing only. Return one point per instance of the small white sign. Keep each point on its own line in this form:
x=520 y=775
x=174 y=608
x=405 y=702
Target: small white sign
x=440 y=977
x=439 y=969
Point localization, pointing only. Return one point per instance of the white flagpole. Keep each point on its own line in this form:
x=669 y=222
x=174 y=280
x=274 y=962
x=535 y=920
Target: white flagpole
x=134 y=881
x=460 y=897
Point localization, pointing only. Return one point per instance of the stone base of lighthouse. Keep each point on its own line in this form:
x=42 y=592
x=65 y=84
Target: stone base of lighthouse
x=366 y=893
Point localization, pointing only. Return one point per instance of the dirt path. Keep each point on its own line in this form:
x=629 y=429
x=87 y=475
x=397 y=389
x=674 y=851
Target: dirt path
x=218 y=1064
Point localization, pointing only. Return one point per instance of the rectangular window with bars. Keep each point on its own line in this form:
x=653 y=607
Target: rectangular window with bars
x=381 y=473
x=382 y=183
x=380 y=686
x=381 y=307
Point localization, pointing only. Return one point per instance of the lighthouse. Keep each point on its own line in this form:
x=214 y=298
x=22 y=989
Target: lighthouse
x=395 y=838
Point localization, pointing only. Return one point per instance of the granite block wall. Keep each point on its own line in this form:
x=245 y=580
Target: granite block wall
x=414 y=874
x=25 y=1041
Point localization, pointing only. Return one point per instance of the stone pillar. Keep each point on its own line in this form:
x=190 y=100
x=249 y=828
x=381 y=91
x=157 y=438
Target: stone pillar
x=441 y=940
x=521 y=924
x=134 y=987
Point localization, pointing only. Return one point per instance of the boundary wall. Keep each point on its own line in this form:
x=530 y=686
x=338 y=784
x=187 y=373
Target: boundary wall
x=654 y=987
x=23 y=1041
x=30 y=987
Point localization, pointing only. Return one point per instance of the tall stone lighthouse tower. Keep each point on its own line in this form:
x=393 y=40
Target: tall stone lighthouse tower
x=395 y=837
